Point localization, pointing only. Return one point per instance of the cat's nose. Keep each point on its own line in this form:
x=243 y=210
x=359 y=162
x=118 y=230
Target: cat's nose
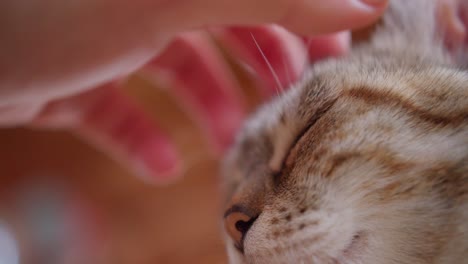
x=237 y=223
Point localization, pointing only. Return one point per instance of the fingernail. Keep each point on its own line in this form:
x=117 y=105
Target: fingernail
x=377 y=3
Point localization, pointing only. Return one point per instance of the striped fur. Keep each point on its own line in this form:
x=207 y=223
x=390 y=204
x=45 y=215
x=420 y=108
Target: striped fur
x=365 y=160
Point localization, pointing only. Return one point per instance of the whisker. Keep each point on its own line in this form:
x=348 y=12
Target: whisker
x=279 y=87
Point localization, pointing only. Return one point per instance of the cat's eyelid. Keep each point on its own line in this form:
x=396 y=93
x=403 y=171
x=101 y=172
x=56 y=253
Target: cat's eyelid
x=286 y=137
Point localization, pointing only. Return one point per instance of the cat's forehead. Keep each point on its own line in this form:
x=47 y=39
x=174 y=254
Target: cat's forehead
x=270 y=132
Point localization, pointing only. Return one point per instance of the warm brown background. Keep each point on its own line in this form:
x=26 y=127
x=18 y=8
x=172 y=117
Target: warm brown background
x=143 y=224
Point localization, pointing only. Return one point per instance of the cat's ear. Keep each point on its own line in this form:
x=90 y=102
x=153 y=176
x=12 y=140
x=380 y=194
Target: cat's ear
x=408 y=23
x=430 y=28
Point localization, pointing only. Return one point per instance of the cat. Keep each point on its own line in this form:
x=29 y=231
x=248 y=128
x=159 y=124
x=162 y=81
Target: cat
x=365 y=160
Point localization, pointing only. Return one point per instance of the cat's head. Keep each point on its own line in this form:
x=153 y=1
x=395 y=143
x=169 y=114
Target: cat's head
x=363 y=161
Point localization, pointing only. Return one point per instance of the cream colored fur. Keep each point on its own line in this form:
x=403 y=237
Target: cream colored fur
x=363 y=161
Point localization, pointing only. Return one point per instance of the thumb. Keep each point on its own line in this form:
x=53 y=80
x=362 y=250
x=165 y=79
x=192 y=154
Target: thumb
x=327 y=16
x=309 y=17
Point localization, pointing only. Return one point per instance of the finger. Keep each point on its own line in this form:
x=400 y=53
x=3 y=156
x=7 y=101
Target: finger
x=301 y=16
x=453 y=18
x=106 y=39
x=204 y=83
x=332 y=45
x=320 y=17
x=113 y=123
x=19 y=114
x=277 y=56
x=53 y=49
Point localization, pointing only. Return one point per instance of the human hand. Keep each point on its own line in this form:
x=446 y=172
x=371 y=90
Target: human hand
x=54 y=55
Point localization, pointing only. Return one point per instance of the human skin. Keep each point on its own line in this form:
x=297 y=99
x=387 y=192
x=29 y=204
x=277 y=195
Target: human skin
x=59 y=57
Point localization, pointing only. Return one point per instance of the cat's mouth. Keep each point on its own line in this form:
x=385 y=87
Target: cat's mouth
x=353 y=252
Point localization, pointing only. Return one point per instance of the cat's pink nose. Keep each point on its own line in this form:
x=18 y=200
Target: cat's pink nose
x=237 y=222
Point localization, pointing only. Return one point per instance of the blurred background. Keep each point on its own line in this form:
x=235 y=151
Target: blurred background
x=64 y=202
